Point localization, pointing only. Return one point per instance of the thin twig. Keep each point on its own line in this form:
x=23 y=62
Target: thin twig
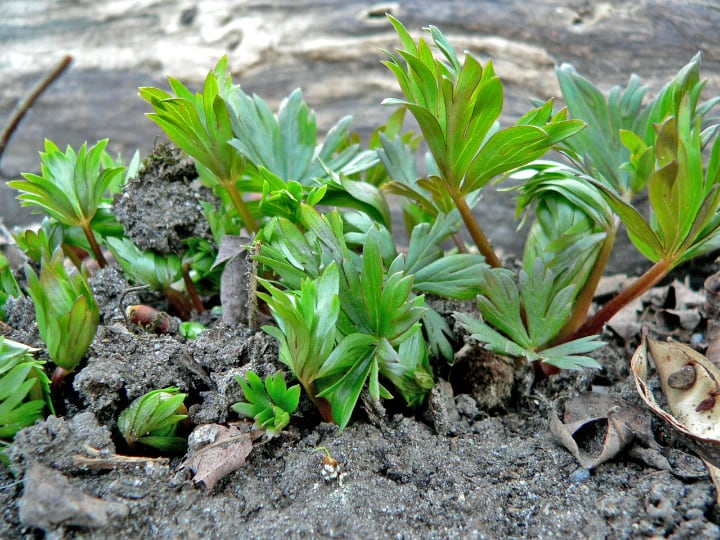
x=24 y=106
x=121 y=300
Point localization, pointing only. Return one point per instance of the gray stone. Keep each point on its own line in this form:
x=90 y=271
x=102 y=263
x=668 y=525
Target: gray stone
x=50 y=500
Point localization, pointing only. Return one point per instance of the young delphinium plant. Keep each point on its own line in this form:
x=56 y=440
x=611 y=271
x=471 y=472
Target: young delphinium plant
x=347 y=317
x=457 y=106
x=153 y=420
x=628 y=147
x=24 y=390
x=269 y=404
x=241 y=146
x=73 y=187
x=658 y=149
x=66 y=312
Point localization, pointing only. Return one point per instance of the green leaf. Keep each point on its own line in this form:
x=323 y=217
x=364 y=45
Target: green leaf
x=344 y=393
x=271 y=404
x=65 y=308
x=500 y=305
x=152 y=420
x=146 y=267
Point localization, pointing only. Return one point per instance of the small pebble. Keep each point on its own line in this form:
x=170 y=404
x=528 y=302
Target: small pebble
x=580 y=475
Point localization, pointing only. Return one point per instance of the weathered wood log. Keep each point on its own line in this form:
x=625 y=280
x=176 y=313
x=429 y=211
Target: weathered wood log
x=331 y=49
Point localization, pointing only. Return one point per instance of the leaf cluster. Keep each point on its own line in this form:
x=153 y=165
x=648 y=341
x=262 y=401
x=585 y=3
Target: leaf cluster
x=24 y=389
x=153 y=420
x=65 y=309
x=73 y=188
x=269 y=404
x=241 y=146
x=522 y=319
x=347 y=318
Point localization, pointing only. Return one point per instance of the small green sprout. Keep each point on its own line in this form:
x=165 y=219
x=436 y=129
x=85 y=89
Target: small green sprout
x=24 y=390
x=271 y=404
x=191 y=329
x=357 y=319
x=72 y=187
x=8 y=285
x=153 y=420
x=65 y=309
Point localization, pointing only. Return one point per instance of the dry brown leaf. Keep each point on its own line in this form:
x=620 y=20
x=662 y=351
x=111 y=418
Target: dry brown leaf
x=691 y=385
x=226 y=454
x=606 y=424
x=237 y=282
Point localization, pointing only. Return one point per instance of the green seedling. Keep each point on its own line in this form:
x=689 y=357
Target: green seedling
x=241 y=146
x=457 y=106
x=154 y=419
x=628 y=146
x=379 y=319
x=191 y=329
x=269 y=404
x=66 y=312
x=24 y=390
x=8 y=285
x=200 y=125
x=634 y=146
x=72 y=187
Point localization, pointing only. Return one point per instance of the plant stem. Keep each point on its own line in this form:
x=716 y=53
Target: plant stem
x=241 y=207
x=322 y=404
x=584 y=299
x=191 y=290
x=476 y=232
x=71 y=254
x=179 y=302
x=97 y=252
x=457 y=239
x=595 y=324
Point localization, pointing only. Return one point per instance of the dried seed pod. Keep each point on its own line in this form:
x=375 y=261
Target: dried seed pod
x=148 y=318
x=330 y=468
x=683 y=378
x=694 y=410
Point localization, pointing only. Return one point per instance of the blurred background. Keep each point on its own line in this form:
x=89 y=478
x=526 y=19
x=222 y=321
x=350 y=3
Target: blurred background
x=331 y=49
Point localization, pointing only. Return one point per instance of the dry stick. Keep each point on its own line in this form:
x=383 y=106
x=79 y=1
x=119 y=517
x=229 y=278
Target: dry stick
x=18 y=114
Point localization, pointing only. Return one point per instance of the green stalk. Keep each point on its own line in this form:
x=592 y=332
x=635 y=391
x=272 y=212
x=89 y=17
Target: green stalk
x=241 y=207
x=476 y=232
x=97 y=252
x=322 y=404
x=585 y=298
x=595 y=324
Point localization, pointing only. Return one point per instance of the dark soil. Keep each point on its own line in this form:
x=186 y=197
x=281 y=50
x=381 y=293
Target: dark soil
x=478 y=461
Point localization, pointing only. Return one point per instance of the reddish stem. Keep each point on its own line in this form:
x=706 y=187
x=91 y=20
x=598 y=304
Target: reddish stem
x=197 y=302
x=476 y=233
x=97 y=252
x=179 y=301
x=595 y=324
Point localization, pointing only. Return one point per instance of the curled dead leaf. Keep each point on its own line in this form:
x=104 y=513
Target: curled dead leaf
x=691 y=385
x=597 y=427
x=225 y=453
